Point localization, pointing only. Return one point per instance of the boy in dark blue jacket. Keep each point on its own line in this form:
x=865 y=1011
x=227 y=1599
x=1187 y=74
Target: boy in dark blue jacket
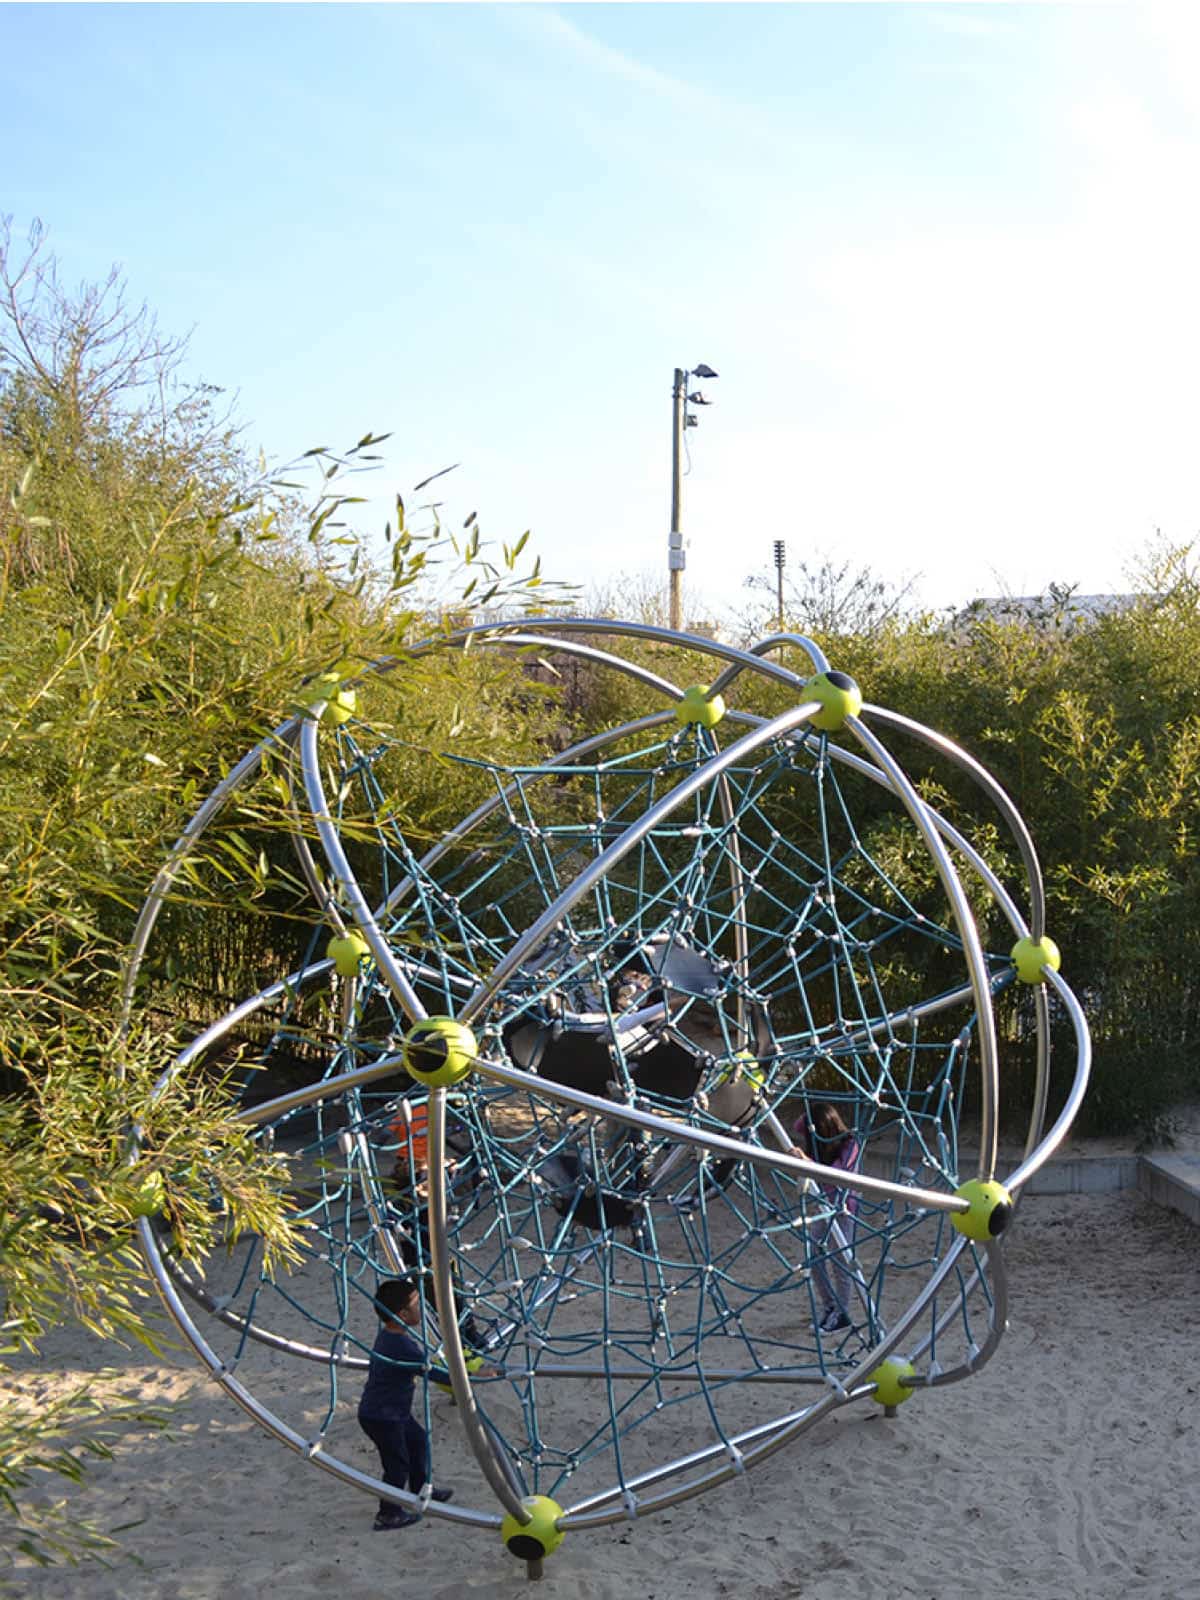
x=385 y=1410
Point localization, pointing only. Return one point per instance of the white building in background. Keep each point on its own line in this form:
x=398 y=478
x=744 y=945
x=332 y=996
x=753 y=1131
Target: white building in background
x=1057 y=608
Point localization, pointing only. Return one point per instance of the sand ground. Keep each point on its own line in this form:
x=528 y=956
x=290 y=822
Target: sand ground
x=1068 y=1468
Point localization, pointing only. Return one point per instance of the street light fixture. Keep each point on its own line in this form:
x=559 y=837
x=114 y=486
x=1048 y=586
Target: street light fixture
x=680 y=419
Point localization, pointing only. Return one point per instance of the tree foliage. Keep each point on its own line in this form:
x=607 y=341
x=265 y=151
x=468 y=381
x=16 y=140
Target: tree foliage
x=1091 y=722
x=161 y=604
x=162 y=600
x=826 y=596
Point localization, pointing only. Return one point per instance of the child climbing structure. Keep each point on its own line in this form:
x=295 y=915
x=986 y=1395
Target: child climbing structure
x=549 y=1068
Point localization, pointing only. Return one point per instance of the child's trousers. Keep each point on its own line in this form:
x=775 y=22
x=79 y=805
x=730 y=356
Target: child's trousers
x=403 y=1448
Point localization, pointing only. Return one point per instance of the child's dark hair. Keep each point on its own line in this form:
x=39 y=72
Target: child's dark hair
x=828 y=1123
x=823 y=1126
x=392 y=1296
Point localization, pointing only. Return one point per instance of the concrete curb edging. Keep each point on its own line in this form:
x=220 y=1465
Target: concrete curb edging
x=1172 y=1180
x=1168 y=1178
x=1086 y=1175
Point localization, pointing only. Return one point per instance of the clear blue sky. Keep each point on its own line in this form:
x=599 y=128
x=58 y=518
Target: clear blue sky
x=945 y=259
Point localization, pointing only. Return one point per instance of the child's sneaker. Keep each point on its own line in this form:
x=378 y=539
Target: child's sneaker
x=834 y=1320
x=395 y=1518
x=441 y=1495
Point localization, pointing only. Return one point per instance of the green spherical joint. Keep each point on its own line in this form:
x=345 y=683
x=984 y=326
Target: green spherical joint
x=439 y=1051
x=1031 y=955
x=347 y=951
x=745 y=1065
x=888 y=1378
x=697 y=707
x=839 y=697
x=990 y=1208
x=340 y=704
x=537 y=1538
x=473 y=1364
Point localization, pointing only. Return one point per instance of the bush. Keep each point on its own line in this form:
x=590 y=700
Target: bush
x=160 y=607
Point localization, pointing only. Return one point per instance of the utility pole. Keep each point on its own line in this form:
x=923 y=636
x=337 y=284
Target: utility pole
x=680 y=419
x=675 y=556
x=780 y=553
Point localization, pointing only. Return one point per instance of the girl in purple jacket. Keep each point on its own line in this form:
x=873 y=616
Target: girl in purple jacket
x=823 y=1136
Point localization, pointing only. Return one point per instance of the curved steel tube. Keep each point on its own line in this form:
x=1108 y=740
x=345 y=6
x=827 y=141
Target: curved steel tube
x=1036 y=1161
x=766 y=1438
x=312 y=1450
x=614 y=1111
x=855 y=1387
x=361 y=915
x=589 y=653
x=244 y=1325
x=997 y=1325
x=608 y=858
x=967 y=933
x=1017 y=827
x=650 y=632
x=246 y=768
x=493 y=803
x=820 y=661
x=995 y=792
x=696 y=1458
x=494 y=1467
x=1041 y=1089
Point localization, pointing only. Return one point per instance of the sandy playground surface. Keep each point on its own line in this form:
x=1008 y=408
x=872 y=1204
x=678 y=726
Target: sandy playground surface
x=1068 y=1468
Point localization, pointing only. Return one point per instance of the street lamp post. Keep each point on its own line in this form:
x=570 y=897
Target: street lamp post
x=680 y=419
x=780 y=553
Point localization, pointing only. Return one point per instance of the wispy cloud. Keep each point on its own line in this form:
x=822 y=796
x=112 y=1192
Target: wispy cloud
x=711 y=116
x=553 y=28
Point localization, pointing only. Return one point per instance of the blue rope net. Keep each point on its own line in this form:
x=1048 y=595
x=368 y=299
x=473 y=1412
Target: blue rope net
x=757 y=954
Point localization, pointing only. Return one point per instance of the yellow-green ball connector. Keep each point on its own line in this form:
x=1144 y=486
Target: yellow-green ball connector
x=1031 y=955
x=990 y=1212
x=744 y=1065
x=890 y=1389
x=346 y=951
x=473 y=1364
x=697 y=707
x=537 y=1538
x=439 y=1052
x=840 y=698
x=340 y=704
